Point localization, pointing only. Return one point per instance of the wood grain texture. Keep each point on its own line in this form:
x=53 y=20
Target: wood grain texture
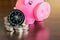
x=53 y=22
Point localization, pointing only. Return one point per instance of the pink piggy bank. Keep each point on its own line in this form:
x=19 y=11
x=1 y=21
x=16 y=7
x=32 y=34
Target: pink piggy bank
x=34 y=10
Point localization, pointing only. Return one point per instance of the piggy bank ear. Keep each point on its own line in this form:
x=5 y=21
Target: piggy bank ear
x=26 y=1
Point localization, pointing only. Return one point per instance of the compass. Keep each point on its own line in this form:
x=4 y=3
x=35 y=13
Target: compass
x=16 y=17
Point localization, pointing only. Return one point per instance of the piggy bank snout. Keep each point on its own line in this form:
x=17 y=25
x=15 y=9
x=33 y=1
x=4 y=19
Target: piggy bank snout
x=42 y=11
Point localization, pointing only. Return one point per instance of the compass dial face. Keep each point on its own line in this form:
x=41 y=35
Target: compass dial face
x=16 y=17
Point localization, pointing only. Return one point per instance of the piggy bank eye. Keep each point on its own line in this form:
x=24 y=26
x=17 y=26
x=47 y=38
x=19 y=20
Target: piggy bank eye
x=30 y=2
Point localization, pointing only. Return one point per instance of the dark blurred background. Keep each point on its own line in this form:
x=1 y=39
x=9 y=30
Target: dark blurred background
x=53 y=22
